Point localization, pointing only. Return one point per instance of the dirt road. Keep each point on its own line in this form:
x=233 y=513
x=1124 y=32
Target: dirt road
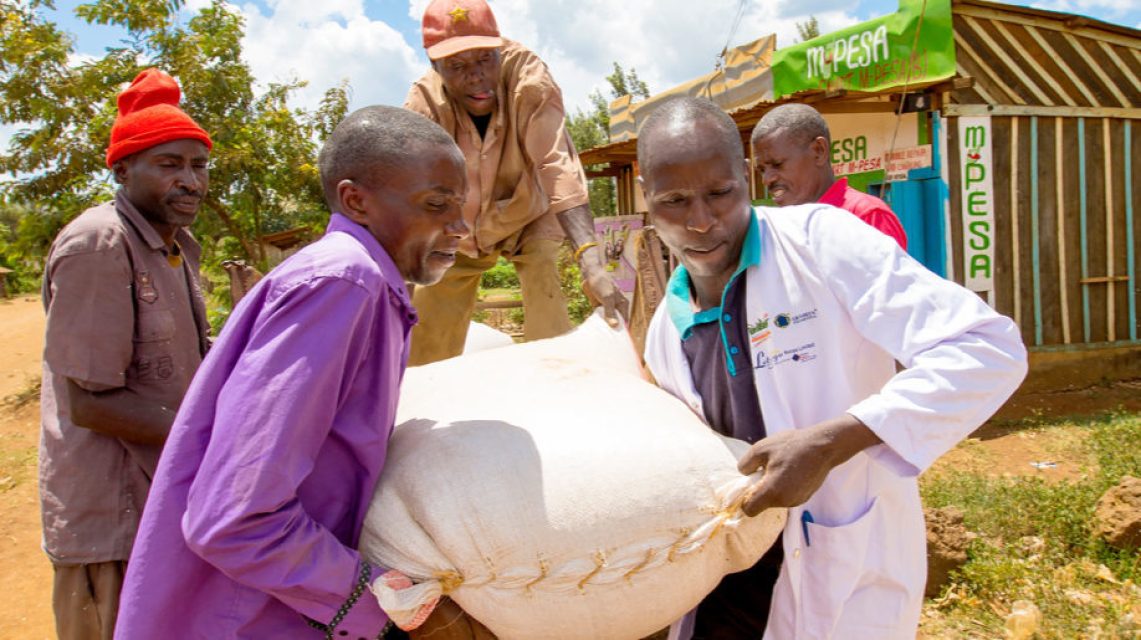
x=25 y=574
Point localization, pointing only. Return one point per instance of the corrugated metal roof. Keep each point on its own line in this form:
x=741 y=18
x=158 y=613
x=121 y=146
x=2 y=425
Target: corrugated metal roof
x=743 y=80
x=1015 y=55
x=1022 y=56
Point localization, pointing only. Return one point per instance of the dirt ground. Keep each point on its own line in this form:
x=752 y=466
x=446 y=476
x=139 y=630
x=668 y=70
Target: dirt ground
x=1002 y=446
x=25 y=573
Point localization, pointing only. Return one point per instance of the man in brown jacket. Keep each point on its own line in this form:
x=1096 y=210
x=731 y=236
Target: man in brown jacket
x=526 y=187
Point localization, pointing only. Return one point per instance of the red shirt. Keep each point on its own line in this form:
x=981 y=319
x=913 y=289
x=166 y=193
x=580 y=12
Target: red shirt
x=867 y=207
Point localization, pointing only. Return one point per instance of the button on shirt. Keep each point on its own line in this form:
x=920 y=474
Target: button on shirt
x=716 y=344
x=263 y=487
x=119 y=315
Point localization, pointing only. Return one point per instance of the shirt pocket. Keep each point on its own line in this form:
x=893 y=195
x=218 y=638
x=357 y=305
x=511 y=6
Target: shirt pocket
x=524 y=205
x=154 y=325
x=835 y=559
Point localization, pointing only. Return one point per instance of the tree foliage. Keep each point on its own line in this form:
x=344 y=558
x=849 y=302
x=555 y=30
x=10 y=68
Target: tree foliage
x=589 y=129
x=627 y=83
x=263 y=174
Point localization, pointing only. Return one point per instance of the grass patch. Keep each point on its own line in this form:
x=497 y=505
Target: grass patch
x=29 y=392
x=1035 y=543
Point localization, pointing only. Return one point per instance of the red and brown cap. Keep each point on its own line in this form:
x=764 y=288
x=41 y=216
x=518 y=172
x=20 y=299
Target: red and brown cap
x=149 y=116
x=452 y=26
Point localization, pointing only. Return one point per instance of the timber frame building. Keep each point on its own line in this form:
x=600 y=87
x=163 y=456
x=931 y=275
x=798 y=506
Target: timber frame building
x=1013 y=176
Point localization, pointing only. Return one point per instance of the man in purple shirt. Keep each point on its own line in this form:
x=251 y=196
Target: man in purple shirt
x=252 y=525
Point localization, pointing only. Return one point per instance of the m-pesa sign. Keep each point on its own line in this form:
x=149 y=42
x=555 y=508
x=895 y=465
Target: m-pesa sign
x=845 y=54
x=861 y=140
x=911 y=46
x=977 y=191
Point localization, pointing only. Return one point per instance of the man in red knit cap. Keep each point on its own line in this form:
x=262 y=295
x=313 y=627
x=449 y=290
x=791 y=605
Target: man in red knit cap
x=126 y=329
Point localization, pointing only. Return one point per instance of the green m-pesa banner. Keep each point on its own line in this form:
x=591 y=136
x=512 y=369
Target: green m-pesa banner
x=873 y=55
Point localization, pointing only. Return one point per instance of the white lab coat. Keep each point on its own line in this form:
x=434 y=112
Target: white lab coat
x=842 y=303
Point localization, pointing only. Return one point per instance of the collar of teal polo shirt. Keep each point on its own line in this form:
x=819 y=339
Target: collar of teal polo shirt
x=679 y=301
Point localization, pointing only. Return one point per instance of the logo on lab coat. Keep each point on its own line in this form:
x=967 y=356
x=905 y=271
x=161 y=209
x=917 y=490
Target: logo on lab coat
x=760 y=325
x=786 y=320
x=801 y=354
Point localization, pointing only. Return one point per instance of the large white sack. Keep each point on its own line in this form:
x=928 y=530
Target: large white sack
x=481 y=337
x=554 y=492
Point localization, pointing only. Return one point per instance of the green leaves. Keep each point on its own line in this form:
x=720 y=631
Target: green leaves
x=263 y=166
x=591 y=129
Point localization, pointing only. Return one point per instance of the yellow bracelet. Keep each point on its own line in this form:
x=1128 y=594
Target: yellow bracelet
x=582 y=249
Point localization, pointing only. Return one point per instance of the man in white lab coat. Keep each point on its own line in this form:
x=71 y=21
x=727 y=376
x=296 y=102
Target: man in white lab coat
x=782 y=327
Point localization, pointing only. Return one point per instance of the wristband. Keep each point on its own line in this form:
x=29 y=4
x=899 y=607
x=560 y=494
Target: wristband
x=582 y=249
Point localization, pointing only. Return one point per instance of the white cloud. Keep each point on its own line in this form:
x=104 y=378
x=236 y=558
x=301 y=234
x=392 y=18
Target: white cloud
x=667 y=42
x=325 y=43
x=1100 y=9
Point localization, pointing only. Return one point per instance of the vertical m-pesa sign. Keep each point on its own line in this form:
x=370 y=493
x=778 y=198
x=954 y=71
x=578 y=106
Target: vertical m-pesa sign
x=977 y=191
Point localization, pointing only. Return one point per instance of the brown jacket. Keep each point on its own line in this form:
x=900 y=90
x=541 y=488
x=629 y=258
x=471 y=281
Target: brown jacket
x=526 y=169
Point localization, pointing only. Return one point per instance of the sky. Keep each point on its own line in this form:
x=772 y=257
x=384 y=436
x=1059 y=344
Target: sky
x=376 y=45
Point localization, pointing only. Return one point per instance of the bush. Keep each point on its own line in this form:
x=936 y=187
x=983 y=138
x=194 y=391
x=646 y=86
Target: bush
x=501 y=276
x=570 y=281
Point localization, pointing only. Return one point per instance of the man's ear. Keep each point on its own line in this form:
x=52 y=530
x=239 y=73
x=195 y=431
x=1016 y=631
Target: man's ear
x=642 y=185
x=821 y=151
x=119 y=170
x=352 y=201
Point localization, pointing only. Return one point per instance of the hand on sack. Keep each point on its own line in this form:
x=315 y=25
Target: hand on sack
x=601 y=289
x=449 y=622
x=797 y=461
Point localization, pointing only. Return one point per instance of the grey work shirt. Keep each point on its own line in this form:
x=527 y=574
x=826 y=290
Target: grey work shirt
x=717 y=349
x=728 y=394
x=120 y=314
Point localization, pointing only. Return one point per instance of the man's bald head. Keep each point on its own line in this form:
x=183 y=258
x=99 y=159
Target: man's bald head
x=681 y=116
x=801 y=121
x=371 y=141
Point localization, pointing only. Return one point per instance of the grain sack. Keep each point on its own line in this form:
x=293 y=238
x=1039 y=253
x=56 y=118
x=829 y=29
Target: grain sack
x=553 y=492
x=481 y=337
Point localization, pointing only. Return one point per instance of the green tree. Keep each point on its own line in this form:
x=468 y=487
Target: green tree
x=808 y=29
x=589 y=129
x=627 y=83
x=263 y=169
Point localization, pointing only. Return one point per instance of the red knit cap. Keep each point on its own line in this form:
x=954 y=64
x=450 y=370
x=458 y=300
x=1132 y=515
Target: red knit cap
x=149 y=116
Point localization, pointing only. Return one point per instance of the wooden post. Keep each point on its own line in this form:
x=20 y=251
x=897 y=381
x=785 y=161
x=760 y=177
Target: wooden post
x=1035 y=237
x=1084 y=239
x=1109 y=299
x=1130 y=246
x=1014 y=235
x=1059 y=189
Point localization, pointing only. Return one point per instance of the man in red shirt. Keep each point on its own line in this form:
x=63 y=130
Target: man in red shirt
x=792 y=148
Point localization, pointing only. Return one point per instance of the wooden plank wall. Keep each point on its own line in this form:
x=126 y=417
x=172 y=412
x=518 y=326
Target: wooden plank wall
x=1067 y=226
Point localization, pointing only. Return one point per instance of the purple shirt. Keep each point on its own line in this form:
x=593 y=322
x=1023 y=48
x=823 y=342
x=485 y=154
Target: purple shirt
x=256 y=510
